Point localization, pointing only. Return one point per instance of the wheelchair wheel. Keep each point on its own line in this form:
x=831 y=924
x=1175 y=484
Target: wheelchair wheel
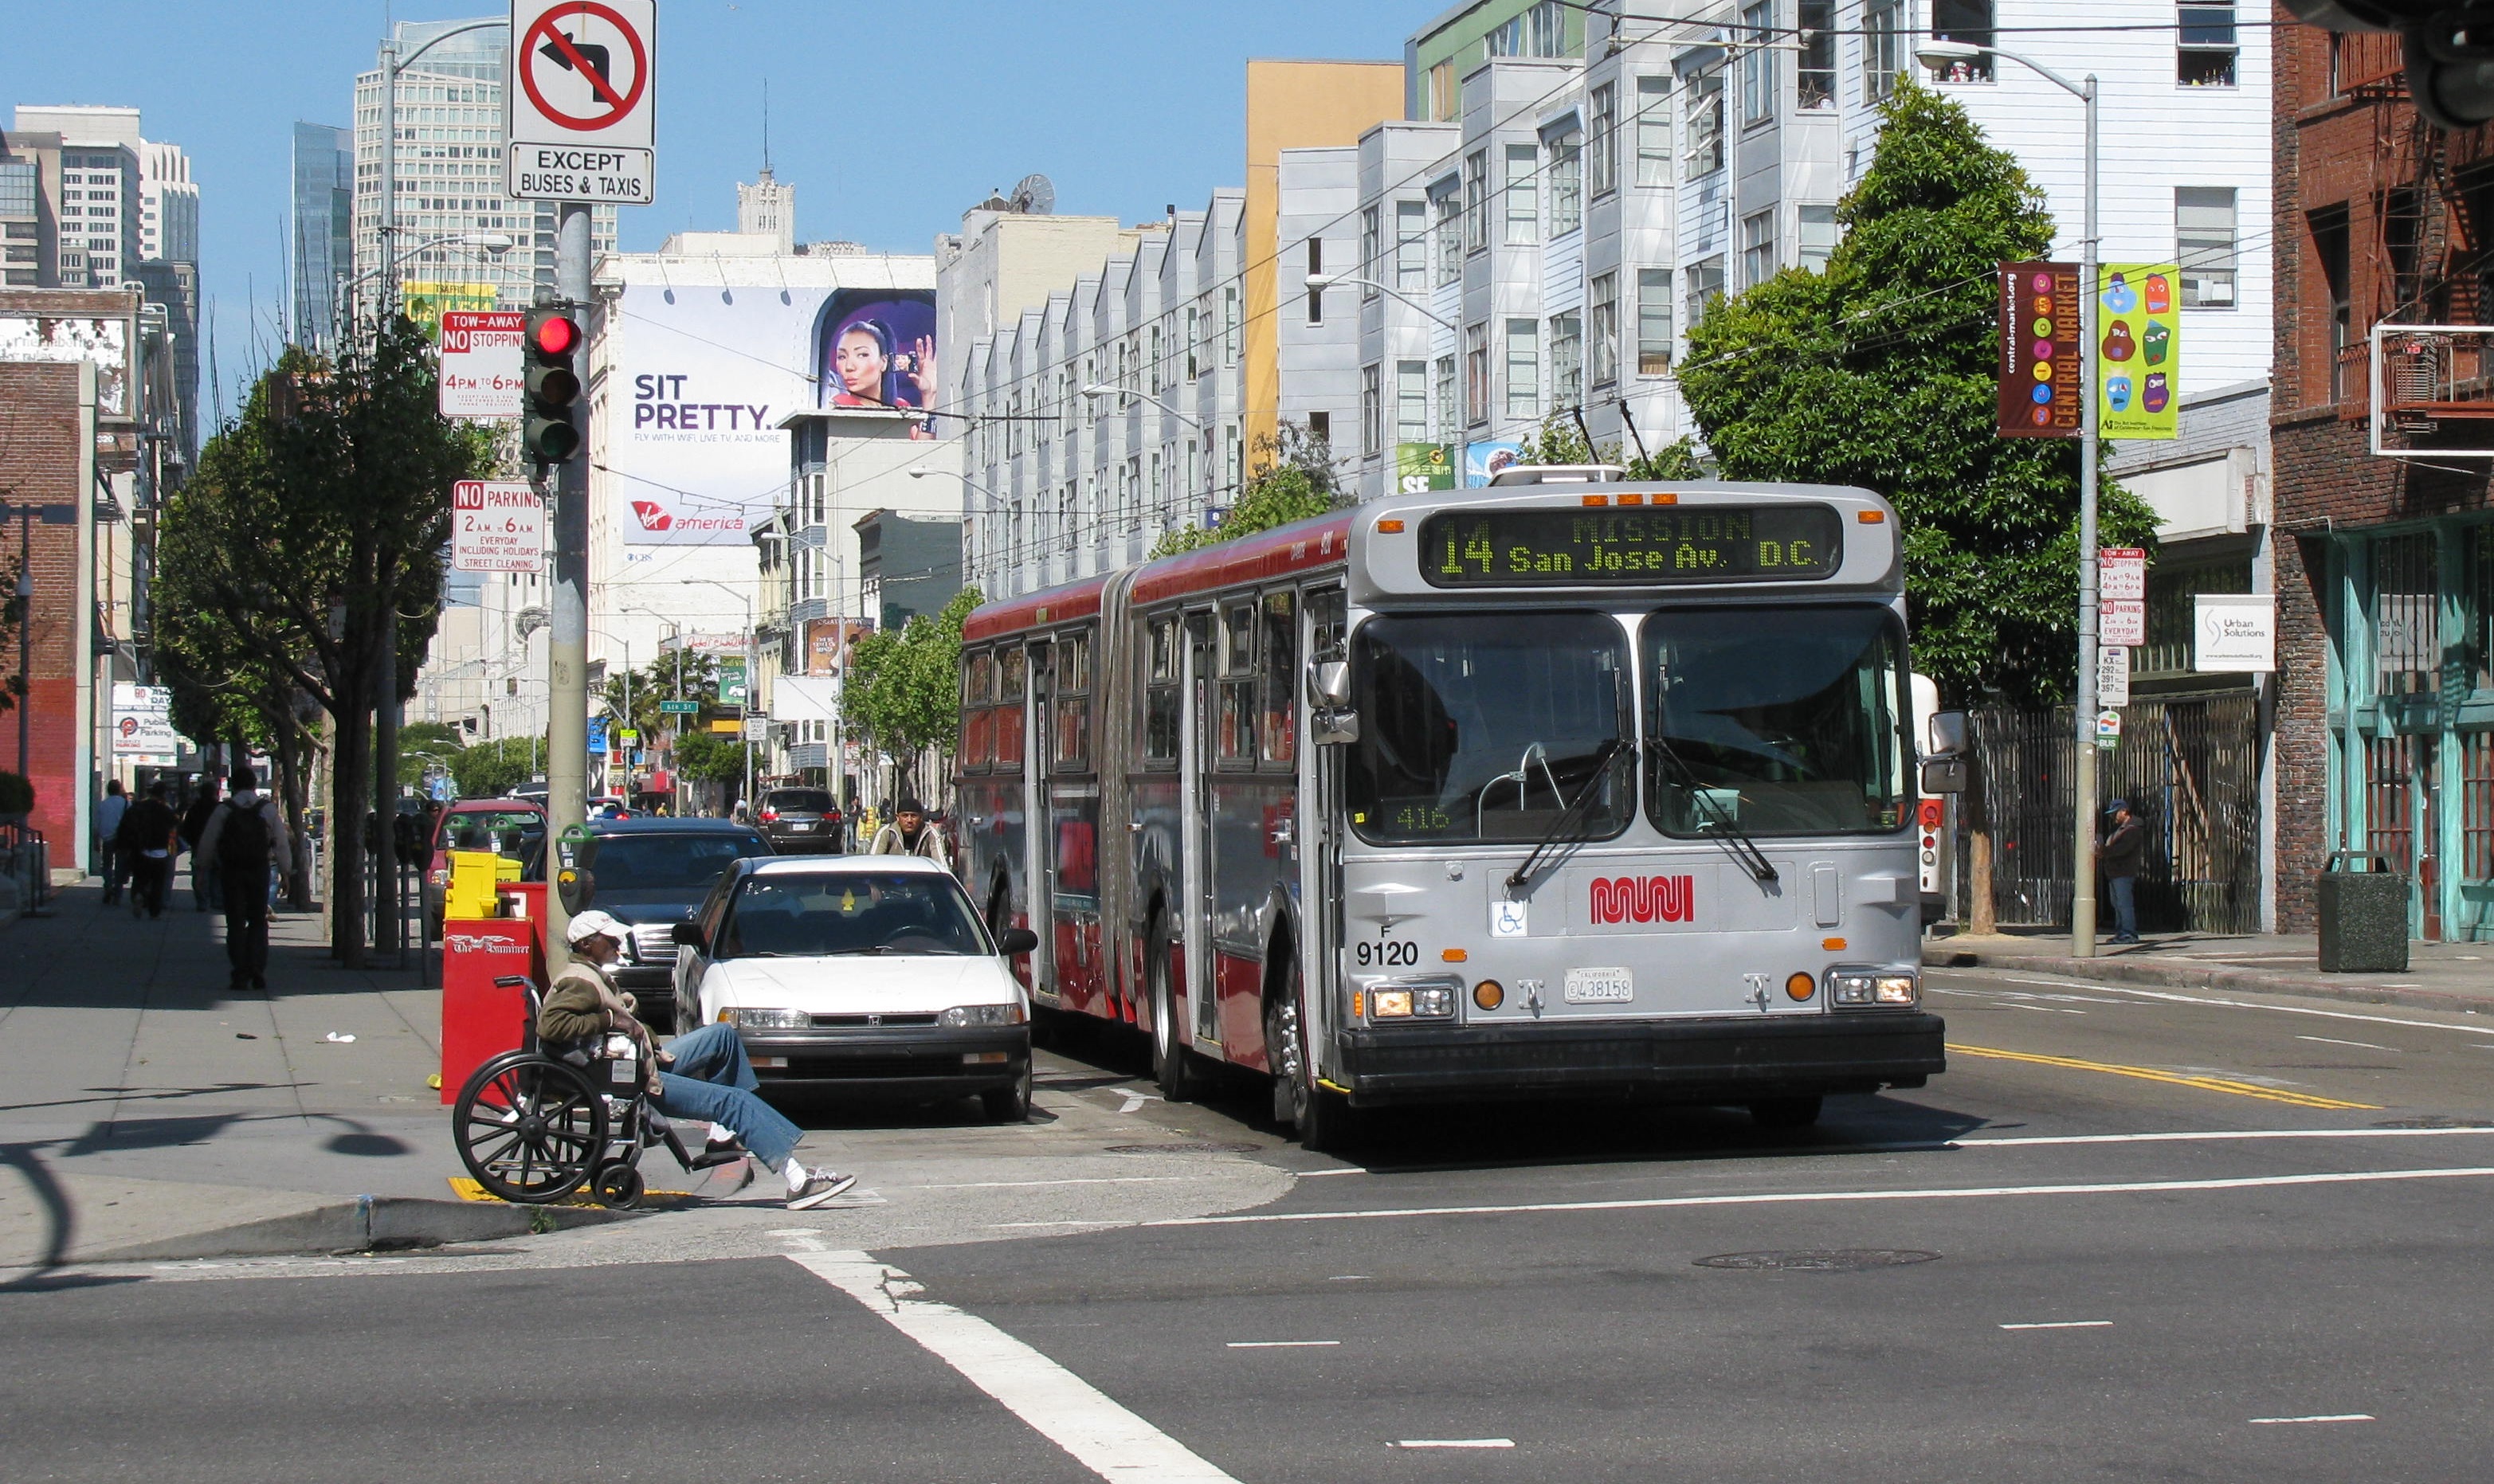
x=618 y=1187
x=530 y=1128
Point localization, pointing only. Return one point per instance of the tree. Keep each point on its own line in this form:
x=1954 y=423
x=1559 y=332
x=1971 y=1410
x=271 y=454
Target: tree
x=707 y=757
x=1561 y=441
x=902 y=693
x=1880 y=372
x=423 y=744
x=1293 y=480
x=492 y=768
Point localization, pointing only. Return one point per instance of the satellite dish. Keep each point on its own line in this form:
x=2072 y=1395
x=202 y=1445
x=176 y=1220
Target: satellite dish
x=1034 y=196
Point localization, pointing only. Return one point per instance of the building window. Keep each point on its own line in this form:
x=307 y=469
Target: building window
x=1566 y=180
x=1506 y=39
x=2204 y=238
x=1411 y=246
x=2205 y=45
x=1369 y=415
x=1818 y=236
x=1193 y=341
x=1234 y=471
x=1450 y=233
x=1476 y=195
x=1758 y=63
x=1603 y=106
x=1547 y=24
x=1229 y=325
x=1321 y=430
x=1602 y=317
x=1477 y=374
x=1316 y=266
x=1566 y=361
x=1522 y=369
x=1523 y=198
x=1654 y=321
x=1705 y=98
x=2329 y=247
x=1372 y=250
x=1815 y=66
x=1883 y=47
x=1704 y=283
x=1653 y=130
x=1450 y=413
x=1410 y=402
x=1157 y=364
x=1969 y=21
x=1443 y=99
x=1757 y=247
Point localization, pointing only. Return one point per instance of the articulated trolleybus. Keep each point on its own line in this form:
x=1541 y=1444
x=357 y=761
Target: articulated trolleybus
x=1564 y=787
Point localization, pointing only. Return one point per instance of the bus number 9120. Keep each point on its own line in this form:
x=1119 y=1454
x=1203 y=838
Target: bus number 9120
x=1386 y=954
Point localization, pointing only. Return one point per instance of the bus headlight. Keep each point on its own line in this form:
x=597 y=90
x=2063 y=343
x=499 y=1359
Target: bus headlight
x=1873 y=988
x=1430 y=1001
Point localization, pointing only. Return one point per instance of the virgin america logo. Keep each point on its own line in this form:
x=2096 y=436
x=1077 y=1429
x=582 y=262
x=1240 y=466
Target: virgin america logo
x=1645 y=899
x=652 y=515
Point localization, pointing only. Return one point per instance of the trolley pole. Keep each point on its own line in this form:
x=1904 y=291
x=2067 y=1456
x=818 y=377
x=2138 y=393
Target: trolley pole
x=567 y=636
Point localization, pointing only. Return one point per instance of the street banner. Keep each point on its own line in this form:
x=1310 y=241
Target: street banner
x=496 y=526
x=2113 y=675
x=2235 y=632
x=142 y=725
x=2139 y=352
x=481 y=375
x=1483 y=462
x=1419 y=468
x=579 y=105
x=2040 y=345
x=597 y=734
x=731 y=680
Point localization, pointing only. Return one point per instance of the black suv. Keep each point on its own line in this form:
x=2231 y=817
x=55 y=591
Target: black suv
x=650 y=875
x=800 y=820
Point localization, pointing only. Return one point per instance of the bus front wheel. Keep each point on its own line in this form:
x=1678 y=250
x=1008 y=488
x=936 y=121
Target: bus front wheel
x=1323 y=1118
x=1175 y=1068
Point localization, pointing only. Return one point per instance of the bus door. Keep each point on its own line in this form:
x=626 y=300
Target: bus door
x=1320 y=822
x=1039 y=836
x=1194 y=825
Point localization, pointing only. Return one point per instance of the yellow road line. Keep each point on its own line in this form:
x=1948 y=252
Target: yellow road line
x=2152 y=1075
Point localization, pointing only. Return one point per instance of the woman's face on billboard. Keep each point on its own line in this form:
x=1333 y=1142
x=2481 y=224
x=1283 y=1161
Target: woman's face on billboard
x=858 y=361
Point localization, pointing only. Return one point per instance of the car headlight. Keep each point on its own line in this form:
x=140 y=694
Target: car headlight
x=1868 y=988
x=747 y=1018
x=962 y=1017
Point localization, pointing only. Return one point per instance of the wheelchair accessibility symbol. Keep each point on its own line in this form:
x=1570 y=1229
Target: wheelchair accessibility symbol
x=1506 y=920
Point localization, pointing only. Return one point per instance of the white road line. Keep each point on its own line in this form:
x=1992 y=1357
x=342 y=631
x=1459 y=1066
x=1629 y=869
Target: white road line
x=1133 y=1103
x=2064 y=1324
x=1456 y=1443
x=2335 y=1416
x=1012 y=1185
x=1318 y=1175
x=2050 y=1010
x=2283 y=1009
x=2333 y=1040
x=1831 y=1197
x=1281 y=1345
x=1060 y=1405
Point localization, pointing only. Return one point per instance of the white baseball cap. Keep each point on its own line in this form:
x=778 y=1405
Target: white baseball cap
x=593 y=923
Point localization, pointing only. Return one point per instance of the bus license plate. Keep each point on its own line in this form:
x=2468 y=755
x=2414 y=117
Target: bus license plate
x=1599 y=986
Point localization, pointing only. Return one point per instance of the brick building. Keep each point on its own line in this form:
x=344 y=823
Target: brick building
x=2385 y=578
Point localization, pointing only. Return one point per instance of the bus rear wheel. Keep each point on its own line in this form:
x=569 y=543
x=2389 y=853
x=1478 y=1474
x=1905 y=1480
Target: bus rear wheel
x=1785 y=1114
x=1323 y=1118
x=1175 y=1068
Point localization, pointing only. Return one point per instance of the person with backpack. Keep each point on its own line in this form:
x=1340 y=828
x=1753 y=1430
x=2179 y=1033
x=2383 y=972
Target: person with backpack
x=146 y=839
x=244 y=837
x=203 y=867
x=108 y=830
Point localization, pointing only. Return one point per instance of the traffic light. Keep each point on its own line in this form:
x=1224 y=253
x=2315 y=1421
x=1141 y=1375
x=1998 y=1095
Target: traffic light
x=552 y=434
x=2450 y=46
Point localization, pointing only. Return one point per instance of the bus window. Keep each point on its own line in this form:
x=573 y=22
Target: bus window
x=978 y=740
x=1326 y=612
x=1012 y=664
x=1161 y=710
x=1238 y=627
x=1236 y=739
x=978 y=677
x=1277 y=712
x=1008 y=738
x=1072 y=730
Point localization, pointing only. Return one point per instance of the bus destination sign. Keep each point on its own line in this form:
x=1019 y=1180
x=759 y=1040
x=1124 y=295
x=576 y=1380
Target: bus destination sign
x=1656 y=546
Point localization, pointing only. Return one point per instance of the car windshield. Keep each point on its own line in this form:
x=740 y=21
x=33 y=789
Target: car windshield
x=1486 y=726
x=506 y=831
x=806 y=915
x=1778 y=721
x=799 y=801
x=654 y=863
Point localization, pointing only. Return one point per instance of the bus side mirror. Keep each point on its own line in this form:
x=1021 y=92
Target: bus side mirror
x=1333 y=729
x=1943 y=775
x=1329 y=685
x=1948 y=732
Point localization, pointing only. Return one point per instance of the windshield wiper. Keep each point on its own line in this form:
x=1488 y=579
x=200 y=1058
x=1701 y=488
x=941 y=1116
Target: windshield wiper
x=1568 y=817
x=1727 y=831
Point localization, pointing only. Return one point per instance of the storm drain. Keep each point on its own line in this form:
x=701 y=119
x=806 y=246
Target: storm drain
x=1191 y=1148
x=1841 y=1259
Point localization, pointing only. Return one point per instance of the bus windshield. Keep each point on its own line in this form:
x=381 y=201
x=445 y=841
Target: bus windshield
x=1486 y=726
x=1778 y=721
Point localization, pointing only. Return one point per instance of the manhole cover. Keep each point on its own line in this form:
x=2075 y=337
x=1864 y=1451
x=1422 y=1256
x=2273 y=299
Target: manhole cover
x=1844 y=1259
x=1193 y=1148
x=2434 y=1122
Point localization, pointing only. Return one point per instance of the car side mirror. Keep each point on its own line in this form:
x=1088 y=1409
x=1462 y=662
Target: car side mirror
x=1013 y=942
x=1948 y=732
x=687 y=934
x=1943 y=775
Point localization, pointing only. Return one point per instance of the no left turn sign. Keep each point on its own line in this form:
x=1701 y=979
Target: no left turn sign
x=581 y=101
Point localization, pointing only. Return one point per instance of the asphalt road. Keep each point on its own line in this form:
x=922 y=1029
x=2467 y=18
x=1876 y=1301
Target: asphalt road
x=2131 y=1234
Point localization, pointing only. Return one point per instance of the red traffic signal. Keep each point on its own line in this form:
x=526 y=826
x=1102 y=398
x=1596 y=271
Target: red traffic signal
x=554 y=335
x=551 y=431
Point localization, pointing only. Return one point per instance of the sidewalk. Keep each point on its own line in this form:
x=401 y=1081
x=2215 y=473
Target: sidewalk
x=148 y=1112
x=2440 y=976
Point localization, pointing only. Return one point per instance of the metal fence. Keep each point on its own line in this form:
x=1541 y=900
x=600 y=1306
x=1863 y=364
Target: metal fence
x=2190 y=769
x=25 y=869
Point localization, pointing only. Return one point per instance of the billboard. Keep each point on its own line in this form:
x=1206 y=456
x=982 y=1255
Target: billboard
x=142 y=725
x=1483 y=461
x=426 y=301
x=707 y=375
x=1419 y=468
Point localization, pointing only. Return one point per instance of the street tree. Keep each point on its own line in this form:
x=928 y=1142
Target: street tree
x=1293 y=480
x=1562 y=439
x=1880 y=372
x=903 y=692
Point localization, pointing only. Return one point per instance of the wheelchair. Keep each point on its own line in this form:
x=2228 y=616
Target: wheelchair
x=537 y=1124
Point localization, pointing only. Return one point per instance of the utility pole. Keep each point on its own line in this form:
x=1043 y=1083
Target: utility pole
x=567 y=640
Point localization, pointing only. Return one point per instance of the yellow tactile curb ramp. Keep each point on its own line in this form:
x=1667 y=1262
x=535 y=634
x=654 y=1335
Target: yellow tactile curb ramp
x=469 y=1189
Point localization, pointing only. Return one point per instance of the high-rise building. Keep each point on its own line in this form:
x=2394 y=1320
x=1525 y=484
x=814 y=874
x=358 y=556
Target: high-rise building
x=169 y=204
x=768 y=208
x=323 y=229
x=449 y=193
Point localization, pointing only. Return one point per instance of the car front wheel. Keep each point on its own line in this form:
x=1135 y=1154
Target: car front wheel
x=1010 y=1104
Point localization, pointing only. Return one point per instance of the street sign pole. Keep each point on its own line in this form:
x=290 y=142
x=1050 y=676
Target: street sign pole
x=568 y=637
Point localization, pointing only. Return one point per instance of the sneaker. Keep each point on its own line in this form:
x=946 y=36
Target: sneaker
x=260 y=982
x=819 y=1187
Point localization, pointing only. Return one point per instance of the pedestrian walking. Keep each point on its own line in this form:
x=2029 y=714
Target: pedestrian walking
x=107 y=850
x=245 y=838
x=203 y=867
x=910 y=835
x=2124 y=849
x=147 y=837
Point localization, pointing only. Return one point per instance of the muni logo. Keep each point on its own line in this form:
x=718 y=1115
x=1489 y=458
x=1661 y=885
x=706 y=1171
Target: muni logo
x=1645 y=899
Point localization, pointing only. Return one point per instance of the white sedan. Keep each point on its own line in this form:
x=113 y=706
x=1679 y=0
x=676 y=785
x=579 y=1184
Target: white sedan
x=866 y=974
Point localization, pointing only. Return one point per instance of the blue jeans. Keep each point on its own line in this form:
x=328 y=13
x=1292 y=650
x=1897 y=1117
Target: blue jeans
x=711 y=1080
x=2124 y=891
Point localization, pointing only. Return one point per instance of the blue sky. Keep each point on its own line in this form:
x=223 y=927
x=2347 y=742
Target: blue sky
x=890 y=119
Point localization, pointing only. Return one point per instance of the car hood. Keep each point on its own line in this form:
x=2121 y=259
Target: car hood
x=880 y=985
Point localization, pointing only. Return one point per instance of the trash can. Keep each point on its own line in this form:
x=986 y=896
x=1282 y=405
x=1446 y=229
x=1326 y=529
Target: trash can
x=2364 y=916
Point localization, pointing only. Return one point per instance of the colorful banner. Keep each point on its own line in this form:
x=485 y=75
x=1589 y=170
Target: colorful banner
x=1483 y=461
x=731 y=682
x=1423 y=466
x=2138 y=350
x=2040 y=344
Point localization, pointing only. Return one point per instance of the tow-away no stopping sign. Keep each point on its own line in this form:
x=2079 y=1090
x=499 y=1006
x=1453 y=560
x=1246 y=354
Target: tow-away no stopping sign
x=580 y=100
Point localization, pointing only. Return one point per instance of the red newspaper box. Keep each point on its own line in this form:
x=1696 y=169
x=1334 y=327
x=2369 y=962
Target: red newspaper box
x=479 y=1018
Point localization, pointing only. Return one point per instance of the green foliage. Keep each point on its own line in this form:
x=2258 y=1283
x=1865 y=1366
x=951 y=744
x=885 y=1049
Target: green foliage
x=902 y=693
x=16 y=795
x=490 y=770
x=425 y=744
x=1294 y=481
x=1561 y=441
x=707 y=757
x=1880 y=372
x=655 y=683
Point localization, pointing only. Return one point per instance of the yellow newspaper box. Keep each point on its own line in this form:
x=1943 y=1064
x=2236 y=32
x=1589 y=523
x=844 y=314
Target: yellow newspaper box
x=472 y=876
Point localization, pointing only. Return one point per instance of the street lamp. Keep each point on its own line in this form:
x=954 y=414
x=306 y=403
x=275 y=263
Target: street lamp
x=1329 y=279
x=1939 y=55
x=392 y=64
x=1102 y=389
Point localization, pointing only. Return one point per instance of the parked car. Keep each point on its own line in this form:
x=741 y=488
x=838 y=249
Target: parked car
x=801 y=820
x=512 y=828
x=867 y=975
x=650 y=874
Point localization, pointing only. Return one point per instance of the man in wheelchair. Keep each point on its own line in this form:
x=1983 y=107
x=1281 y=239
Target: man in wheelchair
x=702 y=1075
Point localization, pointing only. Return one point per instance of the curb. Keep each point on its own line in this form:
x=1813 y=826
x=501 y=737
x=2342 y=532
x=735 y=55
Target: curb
x=2175 y=976
x=365 y=1223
